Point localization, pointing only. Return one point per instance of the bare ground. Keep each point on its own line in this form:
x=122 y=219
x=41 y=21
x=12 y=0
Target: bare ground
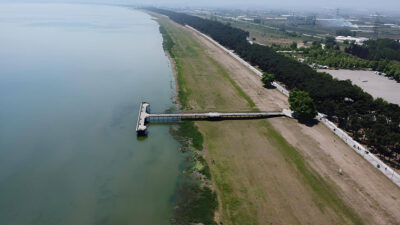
x=257 y=183
x=255 y=171
x=374 y=197
x=377 y=86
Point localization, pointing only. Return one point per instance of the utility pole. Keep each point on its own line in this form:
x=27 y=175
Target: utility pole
x=376 y=26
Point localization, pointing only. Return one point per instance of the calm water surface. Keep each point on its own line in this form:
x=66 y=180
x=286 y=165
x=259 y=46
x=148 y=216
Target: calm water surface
x=71 y=80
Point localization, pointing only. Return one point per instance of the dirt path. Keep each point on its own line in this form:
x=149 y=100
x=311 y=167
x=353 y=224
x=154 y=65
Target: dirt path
x=365 y=189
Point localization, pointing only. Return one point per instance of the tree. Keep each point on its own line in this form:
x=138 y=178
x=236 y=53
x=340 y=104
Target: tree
x=330 y=40
x=293 y=45
x=345 y=32
x=302 y=105
x=267 y=79
x=316 y=43
x=376 y=122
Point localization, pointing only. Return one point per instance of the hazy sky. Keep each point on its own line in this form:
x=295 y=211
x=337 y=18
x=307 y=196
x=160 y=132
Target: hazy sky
x=392 y=5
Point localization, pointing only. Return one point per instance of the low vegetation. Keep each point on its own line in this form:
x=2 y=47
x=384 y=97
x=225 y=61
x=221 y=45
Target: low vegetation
x=383 y=55
x=321 y=188
x=372 y=122
x=249 y=193
x=266 y=35
x=332 y=57
x=335 y=58
x=345 y=32
x=376 y=49
x=196 y=202
x=168 y=43
x=197 y=206
x=188 y=129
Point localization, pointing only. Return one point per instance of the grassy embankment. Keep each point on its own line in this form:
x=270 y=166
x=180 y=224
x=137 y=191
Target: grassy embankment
x=259 y=177
x=196 y=201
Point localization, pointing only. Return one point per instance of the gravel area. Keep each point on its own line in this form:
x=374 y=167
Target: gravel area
x=377 y=86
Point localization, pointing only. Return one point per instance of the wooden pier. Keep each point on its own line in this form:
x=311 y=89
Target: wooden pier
x=145 y=116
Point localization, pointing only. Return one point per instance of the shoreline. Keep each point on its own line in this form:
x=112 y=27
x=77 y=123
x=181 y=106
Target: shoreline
x=226 y=140
x=388 y=170
x=172 y=63
x=196 y=184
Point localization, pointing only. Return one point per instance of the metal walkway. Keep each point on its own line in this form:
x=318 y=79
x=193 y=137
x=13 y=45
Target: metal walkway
x=145 y=117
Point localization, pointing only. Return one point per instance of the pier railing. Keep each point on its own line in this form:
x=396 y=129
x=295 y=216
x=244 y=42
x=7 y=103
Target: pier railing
x=145 y=117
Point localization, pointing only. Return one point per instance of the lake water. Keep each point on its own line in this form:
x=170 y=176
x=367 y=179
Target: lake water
x=71 y=80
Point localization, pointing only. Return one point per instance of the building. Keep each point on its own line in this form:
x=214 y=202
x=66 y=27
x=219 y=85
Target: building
x=358 y=41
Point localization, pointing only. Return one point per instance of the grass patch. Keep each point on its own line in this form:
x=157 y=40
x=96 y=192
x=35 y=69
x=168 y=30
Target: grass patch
x=168 y=43
x=198 y=166
x=189 y=130
x=233 y=83
x=236 y=209
x=198 y=75
x=324 y=192
x=194 y=66
x=206 y=169
x=183 y=92
x=197 y=205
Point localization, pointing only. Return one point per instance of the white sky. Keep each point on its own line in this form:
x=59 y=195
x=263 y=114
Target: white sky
x=392 y=5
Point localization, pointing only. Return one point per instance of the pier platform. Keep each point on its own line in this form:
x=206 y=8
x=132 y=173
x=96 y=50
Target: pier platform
x=145 y=116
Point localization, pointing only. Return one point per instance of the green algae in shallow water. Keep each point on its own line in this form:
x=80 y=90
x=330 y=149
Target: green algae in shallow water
x=189 y=130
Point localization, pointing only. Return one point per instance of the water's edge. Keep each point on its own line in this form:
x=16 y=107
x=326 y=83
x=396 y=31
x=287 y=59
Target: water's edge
x=193 y=189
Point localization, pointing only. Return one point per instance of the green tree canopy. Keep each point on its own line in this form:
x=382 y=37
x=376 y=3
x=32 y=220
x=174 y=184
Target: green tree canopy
x=267 y=79
x=362 y=116
x=345 y=32
x=293 y=45
x=302 y=105
x=330 y=40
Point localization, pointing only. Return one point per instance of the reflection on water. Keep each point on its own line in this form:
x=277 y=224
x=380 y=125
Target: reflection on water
x=71 y=80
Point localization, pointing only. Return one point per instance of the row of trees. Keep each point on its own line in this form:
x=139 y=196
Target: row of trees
x=300 y=102
x=345 y=32
x=383 y=55
x=376 y=49
x=335 y=58
x=375 y=123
